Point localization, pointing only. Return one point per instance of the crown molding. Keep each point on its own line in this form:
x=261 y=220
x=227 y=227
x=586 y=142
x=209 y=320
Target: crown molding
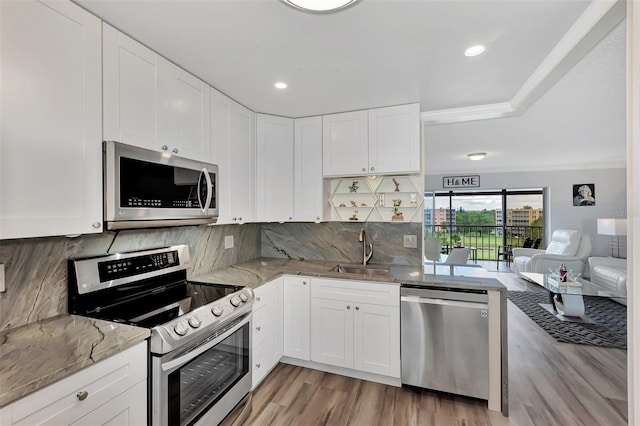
x=600 y=17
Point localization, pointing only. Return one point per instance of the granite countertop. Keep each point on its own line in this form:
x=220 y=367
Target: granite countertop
x=35 y=355
x=255 y=272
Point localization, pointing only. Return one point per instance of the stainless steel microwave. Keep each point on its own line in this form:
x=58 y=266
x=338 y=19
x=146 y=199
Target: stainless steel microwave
x=148 y=189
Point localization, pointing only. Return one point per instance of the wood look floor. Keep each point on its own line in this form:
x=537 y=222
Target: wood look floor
x=550 y=383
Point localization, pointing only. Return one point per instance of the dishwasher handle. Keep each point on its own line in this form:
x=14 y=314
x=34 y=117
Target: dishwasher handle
x=442 y=302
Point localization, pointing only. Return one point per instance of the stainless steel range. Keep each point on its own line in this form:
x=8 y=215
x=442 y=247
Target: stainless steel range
x=200 y=334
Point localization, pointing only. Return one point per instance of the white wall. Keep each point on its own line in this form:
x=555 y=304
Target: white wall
x=560 y=213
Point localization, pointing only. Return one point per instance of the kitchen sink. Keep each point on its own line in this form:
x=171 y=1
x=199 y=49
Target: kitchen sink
x=361 y=269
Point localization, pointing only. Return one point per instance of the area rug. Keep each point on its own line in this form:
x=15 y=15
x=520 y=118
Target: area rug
x=610 y=329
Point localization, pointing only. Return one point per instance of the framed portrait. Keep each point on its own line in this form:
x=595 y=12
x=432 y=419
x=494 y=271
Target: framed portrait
x=584 y=194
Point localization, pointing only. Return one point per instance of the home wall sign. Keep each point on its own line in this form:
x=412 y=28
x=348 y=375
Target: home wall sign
x=470 y=181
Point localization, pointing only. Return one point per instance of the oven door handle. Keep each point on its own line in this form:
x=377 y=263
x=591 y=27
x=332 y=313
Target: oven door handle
x=177 y=362
x=204 y=172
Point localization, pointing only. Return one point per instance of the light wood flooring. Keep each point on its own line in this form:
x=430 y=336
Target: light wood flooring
x=550 y=383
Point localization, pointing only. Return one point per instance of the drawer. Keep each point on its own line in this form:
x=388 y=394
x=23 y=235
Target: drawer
x=261 y=295
x=259 y=323
x=356 y=291
x=259 y=368
x=58 y=403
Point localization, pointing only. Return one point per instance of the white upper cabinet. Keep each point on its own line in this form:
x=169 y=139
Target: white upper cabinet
x=183 y=115
x=274 y=168
x=310 y=199
x=377 y=141
x=242 y=157
x=152 y=103
x=131 y=103
x=220 y=131
x=345 y=144
x=50 y=140
x=394 y=139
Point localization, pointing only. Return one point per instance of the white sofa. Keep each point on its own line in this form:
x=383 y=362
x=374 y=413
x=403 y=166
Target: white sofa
x=566 y=246
x=610 y=273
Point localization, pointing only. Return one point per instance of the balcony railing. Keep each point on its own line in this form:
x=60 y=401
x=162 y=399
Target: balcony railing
x=486 y=239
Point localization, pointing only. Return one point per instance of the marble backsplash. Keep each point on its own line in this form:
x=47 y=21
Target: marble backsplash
x=36 y=268
x=339 y=241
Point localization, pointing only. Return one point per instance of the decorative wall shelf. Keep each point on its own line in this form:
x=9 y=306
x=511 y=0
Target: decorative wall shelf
x=383 y=199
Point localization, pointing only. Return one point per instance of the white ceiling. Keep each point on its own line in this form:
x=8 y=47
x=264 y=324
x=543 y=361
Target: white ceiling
x=389 y=52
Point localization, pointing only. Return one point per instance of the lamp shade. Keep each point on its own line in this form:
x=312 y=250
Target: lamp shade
x=612 y=226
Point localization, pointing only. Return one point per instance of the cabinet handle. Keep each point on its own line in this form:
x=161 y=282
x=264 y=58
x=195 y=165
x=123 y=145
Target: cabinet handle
x=304 y=283
x=348 y=306
x=258 y=365
x=82 y=395
x=258 y=328
x=258 y=298
x=357 y=308
x=364 y=169
x=164 y=147
x=96 y=225
x=240 y=218
x=373 y=168
x=317 y=217
x=290 y=218
x=234 y=219
x=175 y=150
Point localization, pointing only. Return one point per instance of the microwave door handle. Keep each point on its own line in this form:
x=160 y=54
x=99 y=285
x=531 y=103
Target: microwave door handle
x=205 y=172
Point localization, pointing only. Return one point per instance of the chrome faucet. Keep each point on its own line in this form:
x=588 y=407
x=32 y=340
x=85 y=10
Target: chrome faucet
x=363 y=239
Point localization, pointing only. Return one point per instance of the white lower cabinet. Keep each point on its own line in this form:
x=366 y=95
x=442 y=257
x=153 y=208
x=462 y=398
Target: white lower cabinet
x=345 y=332
x=111 y=392
x=267 y=329
x=297 y=306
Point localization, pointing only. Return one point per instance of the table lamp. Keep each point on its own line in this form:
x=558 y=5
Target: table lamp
x=614 y=228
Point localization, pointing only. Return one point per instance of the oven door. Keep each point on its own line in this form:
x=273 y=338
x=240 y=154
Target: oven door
x=142 y=185
x=202 y=384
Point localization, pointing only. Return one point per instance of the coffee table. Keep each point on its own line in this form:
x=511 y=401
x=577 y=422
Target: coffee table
x=565 y=299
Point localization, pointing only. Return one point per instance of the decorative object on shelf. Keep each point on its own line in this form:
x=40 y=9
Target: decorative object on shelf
x=354 y=186
x=413 y=200
x=354 y=216
x=615 y=228
x=397 y=184
x=396 y=203
x=363 y=205
x=342 y=205
x=584 y=194
x=381 y=200
x=397 y=214
x=354 y=204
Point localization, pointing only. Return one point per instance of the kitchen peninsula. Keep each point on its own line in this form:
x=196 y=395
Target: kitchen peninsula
x=299 y=282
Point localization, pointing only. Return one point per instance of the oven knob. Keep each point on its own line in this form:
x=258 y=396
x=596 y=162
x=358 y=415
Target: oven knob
x=216 y=310
x=235 y=301
x=243 y=297
x=194 y=322
x=180 y=329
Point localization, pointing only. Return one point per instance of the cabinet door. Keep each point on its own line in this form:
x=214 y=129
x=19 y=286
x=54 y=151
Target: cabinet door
x=242 y=164
x=296 y=317
x=220 y=131
x=376 y=337
x=394 y=139
x=274 y=168
x=332 y=332
x=128 y=408
x=275 y=319
x=50 y=126
x=130 y=90
x=310 y=201
x=183 y=115
x=345 y=145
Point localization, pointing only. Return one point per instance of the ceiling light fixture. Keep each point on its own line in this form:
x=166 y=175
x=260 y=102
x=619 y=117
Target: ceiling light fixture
x=474 y=50
x=475 y=156
x=280 y=85
x=319 y=5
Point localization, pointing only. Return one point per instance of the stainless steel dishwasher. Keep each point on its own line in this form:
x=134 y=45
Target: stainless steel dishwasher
x=445 y=339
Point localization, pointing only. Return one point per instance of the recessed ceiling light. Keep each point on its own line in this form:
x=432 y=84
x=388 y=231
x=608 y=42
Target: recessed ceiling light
x=474 y=50
x=280 y=85
x=319 y=5
x=475 y=156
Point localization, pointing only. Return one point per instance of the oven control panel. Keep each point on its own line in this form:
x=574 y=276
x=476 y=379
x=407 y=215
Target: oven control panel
x=132 y=266
x=202 y=319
